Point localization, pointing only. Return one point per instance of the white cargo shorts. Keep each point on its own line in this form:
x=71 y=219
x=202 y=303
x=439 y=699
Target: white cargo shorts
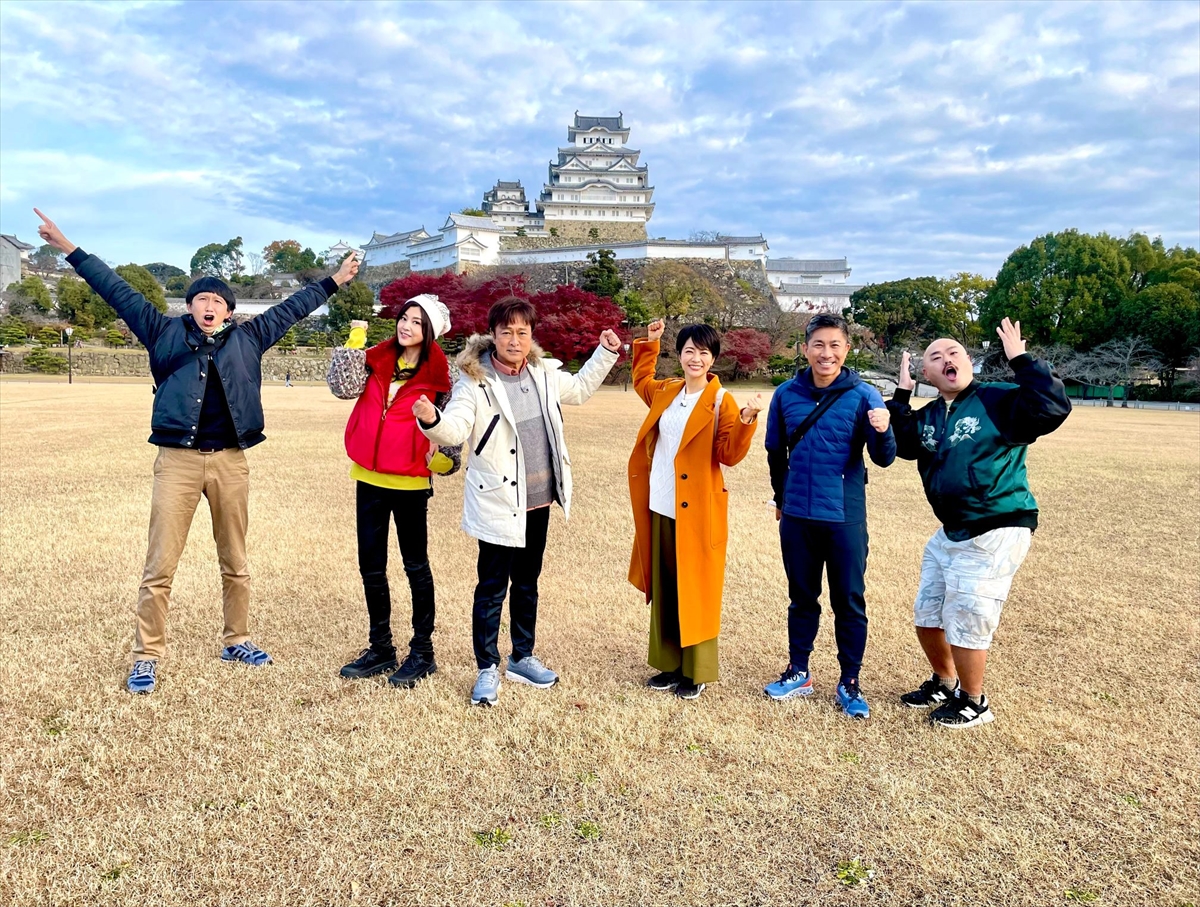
x=964 y=584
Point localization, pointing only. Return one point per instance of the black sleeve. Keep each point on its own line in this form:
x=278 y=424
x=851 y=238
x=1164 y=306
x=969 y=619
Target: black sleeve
x=904 y=425
x=1036 y=407
x=143 y=319
x=269 y=327
x=777 y=453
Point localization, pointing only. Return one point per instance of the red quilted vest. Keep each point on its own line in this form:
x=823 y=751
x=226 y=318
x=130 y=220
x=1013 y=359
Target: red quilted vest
x=386 y=438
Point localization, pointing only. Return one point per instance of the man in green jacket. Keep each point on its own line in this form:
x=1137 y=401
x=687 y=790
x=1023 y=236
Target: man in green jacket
x=970 y=447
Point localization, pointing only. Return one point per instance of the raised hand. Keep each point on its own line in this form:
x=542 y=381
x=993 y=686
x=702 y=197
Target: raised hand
x=753 y=407
x=880 y=418
x=346 y=272
x=905 y=381
x=610 y=341
x=654 y=330
x=424 y=410
x=1010 y=336
x=51 y=234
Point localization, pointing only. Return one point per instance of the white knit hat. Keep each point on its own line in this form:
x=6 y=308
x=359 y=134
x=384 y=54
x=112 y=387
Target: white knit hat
x=437 y=316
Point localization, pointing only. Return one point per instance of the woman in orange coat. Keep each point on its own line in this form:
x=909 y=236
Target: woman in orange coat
x=681 y=505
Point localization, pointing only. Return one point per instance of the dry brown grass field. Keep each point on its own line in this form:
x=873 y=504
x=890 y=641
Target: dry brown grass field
x=289 y=786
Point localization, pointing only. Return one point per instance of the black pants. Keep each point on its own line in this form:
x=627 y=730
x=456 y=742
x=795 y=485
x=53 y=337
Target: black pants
x=376 y=507
x=841 y=549
x=497 y=566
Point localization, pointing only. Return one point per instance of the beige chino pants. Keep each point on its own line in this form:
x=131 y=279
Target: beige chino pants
x=180 y=478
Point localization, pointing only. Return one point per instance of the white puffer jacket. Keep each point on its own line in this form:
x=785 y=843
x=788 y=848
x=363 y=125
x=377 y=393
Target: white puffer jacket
x=479 y=417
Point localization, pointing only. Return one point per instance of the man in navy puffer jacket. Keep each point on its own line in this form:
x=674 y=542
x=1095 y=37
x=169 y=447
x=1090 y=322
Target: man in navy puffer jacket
x=819 y=481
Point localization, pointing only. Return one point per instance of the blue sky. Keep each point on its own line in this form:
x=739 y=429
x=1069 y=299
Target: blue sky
x=912 y=138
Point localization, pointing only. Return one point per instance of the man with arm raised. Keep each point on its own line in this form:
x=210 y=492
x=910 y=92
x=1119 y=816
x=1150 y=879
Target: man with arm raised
x=970 y=447
x=207 y=410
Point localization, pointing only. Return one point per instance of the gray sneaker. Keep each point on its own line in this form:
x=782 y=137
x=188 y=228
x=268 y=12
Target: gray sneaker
x=531 y=671
x=487 y=686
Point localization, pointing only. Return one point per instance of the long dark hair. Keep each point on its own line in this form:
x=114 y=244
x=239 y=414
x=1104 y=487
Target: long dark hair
x=427 y=341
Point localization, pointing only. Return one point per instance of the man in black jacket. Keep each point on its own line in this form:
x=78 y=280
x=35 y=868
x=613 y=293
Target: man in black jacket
x=207 y=410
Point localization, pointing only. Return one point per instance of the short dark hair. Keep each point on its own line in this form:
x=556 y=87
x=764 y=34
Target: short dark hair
x=211 y=285
x=509 y=309
x=702 y=336
x=826 y=320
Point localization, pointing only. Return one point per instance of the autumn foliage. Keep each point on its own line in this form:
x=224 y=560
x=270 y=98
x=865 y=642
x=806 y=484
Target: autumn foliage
x=570 y=320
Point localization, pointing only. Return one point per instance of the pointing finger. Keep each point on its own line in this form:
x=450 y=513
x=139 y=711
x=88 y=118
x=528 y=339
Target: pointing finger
x=48 y=221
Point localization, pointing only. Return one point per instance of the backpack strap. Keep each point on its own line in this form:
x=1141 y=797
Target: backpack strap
x=825 y=404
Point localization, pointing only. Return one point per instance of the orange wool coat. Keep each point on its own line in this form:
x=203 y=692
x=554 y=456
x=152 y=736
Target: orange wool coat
x=701 y=499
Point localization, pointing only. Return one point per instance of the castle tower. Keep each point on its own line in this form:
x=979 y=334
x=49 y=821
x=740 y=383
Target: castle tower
x=597 y=183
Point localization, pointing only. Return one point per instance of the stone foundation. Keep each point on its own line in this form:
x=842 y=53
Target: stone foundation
x=575 y=233
x=304 y=365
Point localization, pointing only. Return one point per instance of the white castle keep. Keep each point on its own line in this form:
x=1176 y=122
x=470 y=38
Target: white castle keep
x=597 y=196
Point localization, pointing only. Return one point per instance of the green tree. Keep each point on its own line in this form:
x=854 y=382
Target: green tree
x=163 y=272
x=901 y=311
x=672 y=289
x=75 y=300
x=353 y=302
x=114 y=338
x=958 y=315
x=633 y=304
x=177 y=285
x=42 y=360
x=284 y=256
x=12 y=332
x=47 y=258
x=602 y=276
x=34 y=291
x=287 y=342
x=218 y=259
x=1064 y=288
x=593 y=233
x=1168 y=316
x=379 y=330
x=49 y=336
x=143 y=281
x=474 y=212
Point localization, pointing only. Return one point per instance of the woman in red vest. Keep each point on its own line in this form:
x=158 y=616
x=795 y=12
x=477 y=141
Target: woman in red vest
x=393 y=465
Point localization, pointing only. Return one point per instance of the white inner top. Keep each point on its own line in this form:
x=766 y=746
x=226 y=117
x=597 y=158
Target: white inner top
x=662 y=468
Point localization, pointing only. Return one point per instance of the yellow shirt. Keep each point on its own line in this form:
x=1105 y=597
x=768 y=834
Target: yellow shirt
x=439 y=463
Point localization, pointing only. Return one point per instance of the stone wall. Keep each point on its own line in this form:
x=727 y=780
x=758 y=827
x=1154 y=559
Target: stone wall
x=378 y=277
x=305 y=365
x=575 y=232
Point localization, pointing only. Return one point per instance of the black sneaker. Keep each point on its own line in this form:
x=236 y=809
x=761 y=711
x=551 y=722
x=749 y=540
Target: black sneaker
x=688 y=690
x=368 y=664
x=931 y=694
x=416 y=667
x=666 y=681
x=960 y=712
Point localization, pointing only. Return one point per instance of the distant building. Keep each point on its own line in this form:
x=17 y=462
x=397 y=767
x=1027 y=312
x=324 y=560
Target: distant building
x=385 y=249
x=811 y=285
x=597 y=177
x=13 y=255
x=506 y=205
x=338 y=250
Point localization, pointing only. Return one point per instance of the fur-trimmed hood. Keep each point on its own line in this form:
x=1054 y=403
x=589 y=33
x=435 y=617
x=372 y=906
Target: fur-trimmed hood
x=479 y=346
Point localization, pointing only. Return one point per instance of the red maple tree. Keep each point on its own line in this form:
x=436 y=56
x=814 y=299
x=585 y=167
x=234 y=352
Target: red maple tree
x=747 y=349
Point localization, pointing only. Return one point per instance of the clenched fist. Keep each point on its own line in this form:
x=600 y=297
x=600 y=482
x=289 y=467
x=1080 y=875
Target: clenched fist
x=752 y=408
x=905 y=380
x=424 y=410
x=610 y=341
x=654 y=330
x=880 y=418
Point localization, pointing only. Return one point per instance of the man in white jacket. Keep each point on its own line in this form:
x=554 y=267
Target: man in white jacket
x=507 y=407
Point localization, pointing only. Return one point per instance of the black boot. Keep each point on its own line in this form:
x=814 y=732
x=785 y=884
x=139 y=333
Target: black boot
x=369 y=663
x=417 y=666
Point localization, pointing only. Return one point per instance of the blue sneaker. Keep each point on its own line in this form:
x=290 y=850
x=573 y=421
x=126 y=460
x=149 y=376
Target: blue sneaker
x=141 y=678
x=246 y=652
x=531 y=671
x=790 y=683
x=487 y=686
x=850 y=698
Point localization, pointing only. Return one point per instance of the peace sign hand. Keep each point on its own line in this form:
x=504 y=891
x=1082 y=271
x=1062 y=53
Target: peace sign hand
x=51 y=234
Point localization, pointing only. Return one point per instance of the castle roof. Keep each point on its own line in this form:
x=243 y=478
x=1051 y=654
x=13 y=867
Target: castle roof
x=818 y=289
x=576 y=150
x=379 y=239
x=741 y=239
x=809 y=265
x=471 y=222
x=506 y=184
x=617 y=122
x=23 y=246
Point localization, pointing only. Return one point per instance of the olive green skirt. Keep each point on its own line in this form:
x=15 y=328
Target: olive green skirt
x=698 y=662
